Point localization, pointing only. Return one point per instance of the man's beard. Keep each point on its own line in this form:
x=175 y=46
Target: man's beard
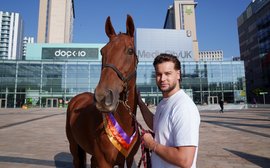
x=170 y=88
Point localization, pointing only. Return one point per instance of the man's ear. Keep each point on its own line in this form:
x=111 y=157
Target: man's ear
x=179 y=74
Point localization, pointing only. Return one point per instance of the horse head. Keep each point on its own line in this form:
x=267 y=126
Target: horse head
x=119 y=63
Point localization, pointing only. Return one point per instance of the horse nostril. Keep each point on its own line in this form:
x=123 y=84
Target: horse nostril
x=109 y=98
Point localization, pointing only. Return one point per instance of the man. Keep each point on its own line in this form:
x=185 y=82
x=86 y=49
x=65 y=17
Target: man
x=176 y=121
x=221 y=104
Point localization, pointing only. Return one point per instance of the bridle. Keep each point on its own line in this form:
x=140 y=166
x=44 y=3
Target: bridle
x=145 y=158
x=124 y=79
x=120 y=74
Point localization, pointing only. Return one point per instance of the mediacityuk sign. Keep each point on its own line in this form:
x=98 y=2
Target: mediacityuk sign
x=152 y=42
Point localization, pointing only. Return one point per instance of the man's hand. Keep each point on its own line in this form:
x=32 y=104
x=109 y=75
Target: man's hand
x=149 y=141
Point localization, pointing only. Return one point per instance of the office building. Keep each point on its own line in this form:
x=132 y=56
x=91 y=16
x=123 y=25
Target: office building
x=181 y=16
x=211 y=55
x=54 y=73
x=55 y=22
x=254 y=39
x=11 y=34
x=26 y=40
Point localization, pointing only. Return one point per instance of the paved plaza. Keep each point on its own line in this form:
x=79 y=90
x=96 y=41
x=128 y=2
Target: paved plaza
x=35 y=138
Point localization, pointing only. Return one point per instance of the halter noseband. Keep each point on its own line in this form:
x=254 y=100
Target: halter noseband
x=120 y=75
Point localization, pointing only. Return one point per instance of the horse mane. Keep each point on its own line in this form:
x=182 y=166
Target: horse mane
x=122 y=33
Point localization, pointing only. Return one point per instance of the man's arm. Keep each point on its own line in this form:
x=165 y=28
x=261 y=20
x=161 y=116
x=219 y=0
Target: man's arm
x=148 y=116
x=182 y=156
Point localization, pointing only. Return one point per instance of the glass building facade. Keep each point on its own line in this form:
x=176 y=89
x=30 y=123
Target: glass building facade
x=254 y=41
x=54 y=73
x=48 y=83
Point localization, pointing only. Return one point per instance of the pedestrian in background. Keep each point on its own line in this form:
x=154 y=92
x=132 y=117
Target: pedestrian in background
x=254 y=102
x=221 y=104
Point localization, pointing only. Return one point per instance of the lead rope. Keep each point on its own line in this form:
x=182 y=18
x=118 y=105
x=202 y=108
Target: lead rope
x=145 y=158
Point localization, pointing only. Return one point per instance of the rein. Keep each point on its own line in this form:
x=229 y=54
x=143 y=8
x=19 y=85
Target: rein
x=145 y=158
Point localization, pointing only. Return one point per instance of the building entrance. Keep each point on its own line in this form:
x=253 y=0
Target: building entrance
x=51 y=102
x=3 y=103
x=212 y=99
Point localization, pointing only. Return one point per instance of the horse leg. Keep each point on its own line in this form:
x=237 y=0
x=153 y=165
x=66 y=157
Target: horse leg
x=93 y=162
x=82 y=157
x=129 y=162
x=79 y=155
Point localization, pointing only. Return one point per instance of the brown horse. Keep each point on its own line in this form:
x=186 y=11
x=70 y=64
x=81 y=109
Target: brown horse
x=86 y=125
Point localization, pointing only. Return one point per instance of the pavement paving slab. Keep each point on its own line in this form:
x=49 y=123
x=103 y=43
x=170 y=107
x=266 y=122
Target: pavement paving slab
x=35 y=138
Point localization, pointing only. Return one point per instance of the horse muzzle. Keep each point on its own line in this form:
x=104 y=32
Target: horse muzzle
x=106 y=101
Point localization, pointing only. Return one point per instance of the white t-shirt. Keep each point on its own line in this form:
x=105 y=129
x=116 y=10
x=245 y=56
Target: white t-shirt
x=176 y=123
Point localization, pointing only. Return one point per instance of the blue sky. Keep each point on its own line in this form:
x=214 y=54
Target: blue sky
x=216 y=19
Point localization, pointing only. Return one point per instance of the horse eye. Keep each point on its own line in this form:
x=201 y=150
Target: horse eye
x=130 y=51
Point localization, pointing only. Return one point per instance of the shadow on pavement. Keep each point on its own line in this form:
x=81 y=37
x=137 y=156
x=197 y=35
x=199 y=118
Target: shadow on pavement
x=257 y=160
x=235 y=126
x=22 y=160
x=61 y=160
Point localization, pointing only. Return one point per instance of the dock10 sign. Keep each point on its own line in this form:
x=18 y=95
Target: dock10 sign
x=70 y=53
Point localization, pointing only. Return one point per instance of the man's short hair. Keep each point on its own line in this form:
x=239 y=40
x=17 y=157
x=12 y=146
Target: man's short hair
x=163 y=57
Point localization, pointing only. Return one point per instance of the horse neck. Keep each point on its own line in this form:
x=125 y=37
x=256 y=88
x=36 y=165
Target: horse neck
x=131 y=101
x=127 y=109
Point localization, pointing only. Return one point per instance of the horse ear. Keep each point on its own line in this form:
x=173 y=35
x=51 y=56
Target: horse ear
x=109 y=28
x=130 y=26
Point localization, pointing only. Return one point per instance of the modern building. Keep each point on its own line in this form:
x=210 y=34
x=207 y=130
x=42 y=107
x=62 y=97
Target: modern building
x=181 y=16
x=26 y=40
x=54 y=73
x=254 y=40
x=55 y=22
x=236 y=58
x=51 y=72
x=69 y=52
x=11 y=35
x=211 y=55
x=46 y=83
